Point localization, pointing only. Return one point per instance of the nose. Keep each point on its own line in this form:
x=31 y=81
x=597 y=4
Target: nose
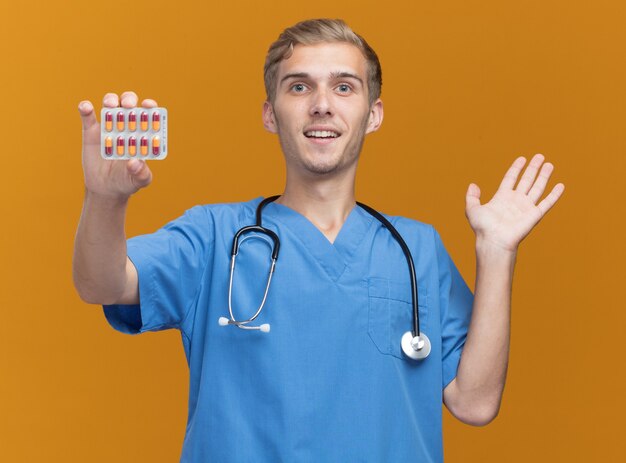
x=320 y=104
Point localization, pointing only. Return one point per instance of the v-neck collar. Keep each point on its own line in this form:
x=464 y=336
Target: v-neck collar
x=333 y=257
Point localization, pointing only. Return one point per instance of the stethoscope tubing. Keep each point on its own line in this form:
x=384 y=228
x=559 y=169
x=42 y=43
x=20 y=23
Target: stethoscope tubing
x=414 y=344
x=258 y=227
x=409 y=260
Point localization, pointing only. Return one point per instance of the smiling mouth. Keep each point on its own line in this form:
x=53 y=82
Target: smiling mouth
x=321 y=134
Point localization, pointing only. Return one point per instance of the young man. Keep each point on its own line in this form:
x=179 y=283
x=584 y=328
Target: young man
x=330 y=381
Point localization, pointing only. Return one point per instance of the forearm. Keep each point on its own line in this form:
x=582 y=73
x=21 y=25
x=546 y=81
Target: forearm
x=500 y=225
x=475 y=394
x=100 y=261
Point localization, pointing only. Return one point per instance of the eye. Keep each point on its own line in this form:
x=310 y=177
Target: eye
x=344 y=88
x=298 y=88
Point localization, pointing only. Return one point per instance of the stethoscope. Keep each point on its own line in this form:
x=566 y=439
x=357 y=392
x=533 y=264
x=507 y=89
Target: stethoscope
x=415 y=344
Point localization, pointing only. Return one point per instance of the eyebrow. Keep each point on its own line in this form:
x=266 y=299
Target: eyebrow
x=333 y=75
x=297 y=75
x=349 y=75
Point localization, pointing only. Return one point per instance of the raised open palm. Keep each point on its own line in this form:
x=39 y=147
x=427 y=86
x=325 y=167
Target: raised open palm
x=514 y=210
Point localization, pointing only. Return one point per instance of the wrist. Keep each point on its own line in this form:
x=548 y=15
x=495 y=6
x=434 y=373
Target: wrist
x=107 y=201
x=488 y=247
x=494 y=261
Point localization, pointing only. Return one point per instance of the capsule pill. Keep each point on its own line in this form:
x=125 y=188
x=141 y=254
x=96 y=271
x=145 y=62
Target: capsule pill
x=156 y=146
x=132 y=146
x=156 y=122
x=108 y=145
x=120 y=146
x=144 y=121
x=108 y=122
x=132 y=121
x=120 y=121
x=143 y=148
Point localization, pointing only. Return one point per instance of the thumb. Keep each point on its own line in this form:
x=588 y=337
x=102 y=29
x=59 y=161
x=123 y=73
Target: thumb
x=139 y=172
x=472 y=197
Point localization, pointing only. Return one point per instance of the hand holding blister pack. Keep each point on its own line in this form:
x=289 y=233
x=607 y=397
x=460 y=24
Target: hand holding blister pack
x=118 y=136
x=129 y=133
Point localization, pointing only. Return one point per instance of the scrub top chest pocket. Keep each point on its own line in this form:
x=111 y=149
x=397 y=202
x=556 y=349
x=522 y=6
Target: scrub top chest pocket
x=391 y=313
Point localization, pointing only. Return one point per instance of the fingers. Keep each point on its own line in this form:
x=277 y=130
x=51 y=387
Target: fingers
x=540 y=184
x=550 y=200
x=530 y=174
x=87 y=114
x=510 y=178
x=533 y=182
x=127 y=99
x=110 y=100
x=148 y=103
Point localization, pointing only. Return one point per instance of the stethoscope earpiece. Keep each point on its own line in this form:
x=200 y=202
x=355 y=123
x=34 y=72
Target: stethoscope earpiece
x=223 y=321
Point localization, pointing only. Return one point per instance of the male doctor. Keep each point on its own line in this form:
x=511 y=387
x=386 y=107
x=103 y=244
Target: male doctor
x=329 y=382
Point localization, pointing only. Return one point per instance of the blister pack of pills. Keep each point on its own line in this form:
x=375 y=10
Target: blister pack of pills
x=127 y=133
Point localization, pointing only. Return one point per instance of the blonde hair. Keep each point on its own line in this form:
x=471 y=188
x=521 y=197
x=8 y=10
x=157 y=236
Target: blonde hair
x=314 y=31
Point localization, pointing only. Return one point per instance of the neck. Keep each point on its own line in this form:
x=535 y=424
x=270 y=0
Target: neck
x=326 y=202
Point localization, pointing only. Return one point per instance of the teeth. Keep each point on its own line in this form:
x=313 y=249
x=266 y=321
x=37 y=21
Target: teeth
x=321 y=134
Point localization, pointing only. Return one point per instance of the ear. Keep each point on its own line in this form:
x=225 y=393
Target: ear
x=376 y=116
x=269 y=121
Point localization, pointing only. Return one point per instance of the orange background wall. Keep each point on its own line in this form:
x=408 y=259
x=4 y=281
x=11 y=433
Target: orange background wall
x=468 y=86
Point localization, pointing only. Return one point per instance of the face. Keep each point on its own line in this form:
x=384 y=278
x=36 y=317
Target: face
x=321 y=111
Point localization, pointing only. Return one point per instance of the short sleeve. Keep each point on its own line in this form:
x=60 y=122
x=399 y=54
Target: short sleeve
x=456 y=301
x=170 y=264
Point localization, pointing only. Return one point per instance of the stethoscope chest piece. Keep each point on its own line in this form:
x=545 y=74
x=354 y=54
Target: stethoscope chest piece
x=416 y=348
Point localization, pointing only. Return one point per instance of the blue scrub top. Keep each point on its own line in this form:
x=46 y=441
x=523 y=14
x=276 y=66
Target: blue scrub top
x=329 y=382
